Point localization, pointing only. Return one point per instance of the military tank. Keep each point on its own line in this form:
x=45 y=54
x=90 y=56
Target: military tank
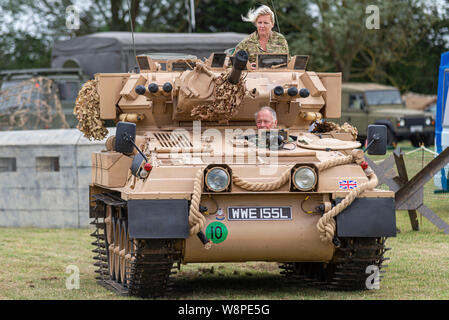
x=187 y=177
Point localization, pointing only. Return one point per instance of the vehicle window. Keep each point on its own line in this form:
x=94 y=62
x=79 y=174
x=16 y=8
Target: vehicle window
x=382 y=97
x=68 y=90
x=356 y=102
x=10 y=84
x=432 y=109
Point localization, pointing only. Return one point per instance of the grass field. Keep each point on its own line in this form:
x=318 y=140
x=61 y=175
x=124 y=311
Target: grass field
x=34 y=261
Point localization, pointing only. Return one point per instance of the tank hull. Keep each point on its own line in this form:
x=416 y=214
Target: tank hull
x=250 y=234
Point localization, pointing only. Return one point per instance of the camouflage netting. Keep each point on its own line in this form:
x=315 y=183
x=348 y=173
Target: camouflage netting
x=87 y=111
x=325 y=126
x=228 y=98
x=31 y=104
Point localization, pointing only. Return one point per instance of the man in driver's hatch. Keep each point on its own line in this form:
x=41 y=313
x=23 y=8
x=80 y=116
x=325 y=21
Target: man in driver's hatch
x=266 y=118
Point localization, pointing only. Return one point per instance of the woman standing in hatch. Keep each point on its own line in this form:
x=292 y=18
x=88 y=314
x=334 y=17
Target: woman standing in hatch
x=264 y=40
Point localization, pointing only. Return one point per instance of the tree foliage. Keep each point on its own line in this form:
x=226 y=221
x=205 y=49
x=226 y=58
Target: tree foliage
x=403 y=51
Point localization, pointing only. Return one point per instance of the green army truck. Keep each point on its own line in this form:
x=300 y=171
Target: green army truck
x=39 y=98
x=370 y=103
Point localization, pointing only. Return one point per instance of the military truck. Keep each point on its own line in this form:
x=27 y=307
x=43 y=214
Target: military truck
x=371 y=103
x=47 y=85
x=188 y=178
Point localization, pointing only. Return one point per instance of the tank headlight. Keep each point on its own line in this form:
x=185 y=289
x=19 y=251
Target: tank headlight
x=304 y=178
x=428 y=121
x=401 y=123
x=217 y=179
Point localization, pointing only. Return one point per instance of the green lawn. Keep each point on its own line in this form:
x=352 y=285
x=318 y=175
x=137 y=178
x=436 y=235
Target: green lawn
x=33 y=265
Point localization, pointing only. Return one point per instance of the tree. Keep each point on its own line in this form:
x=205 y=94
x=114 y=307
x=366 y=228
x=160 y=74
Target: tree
x=336 y=36
x=403 y=51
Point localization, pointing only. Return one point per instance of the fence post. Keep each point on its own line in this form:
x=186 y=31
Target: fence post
x=403 y=177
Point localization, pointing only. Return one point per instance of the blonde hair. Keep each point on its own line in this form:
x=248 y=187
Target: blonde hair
x=253 y=14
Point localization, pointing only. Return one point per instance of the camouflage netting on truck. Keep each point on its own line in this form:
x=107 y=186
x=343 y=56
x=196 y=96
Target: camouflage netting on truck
x=87 y=111
x=31 y=104
x=325 y=126
x=228 y=98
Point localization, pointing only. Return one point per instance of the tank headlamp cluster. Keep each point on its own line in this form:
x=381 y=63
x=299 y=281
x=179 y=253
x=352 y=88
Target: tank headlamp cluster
x=304 y=178
x=153 y=88
x=291 y=92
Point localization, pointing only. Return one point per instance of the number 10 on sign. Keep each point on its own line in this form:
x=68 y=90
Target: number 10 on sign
x=216 y=232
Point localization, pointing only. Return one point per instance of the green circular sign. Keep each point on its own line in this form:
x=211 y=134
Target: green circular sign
x=216 y=232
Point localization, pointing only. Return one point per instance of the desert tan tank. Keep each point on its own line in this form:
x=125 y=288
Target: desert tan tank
x=188 y=178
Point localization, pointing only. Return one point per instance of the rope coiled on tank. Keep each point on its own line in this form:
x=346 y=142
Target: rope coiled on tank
x=326 y=224
x=196 y=218
x=262 y=186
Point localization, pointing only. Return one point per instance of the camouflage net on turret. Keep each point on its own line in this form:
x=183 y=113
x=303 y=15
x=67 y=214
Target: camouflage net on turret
x=87 y=111
x=325 y=126
x=228 y=98
x=31 y=104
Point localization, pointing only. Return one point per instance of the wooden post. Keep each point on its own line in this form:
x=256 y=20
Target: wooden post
x=403 y=177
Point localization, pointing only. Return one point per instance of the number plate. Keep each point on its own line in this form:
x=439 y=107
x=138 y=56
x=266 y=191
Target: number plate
x=259 y=213
x=416 y=128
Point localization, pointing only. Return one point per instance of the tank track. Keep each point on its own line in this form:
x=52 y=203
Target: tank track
x=347 y=271
x=149 y=262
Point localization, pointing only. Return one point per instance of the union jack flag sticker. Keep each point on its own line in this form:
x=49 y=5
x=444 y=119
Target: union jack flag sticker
x=347 y=184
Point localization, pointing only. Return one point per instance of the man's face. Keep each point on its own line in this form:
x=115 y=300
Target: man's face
x=265 y=120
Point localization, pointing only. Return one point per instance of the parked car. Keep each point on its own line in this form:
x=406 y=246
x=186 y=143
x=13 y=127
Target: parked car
x=46 y=85
x=371 y=103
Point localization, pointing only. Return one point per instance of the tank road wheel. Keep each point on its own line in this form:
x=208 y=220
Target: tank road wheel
x=124 y=250
x=109 y=233
x=354 y=262
x=116 y=256
x=112 y=244
x=108 y=221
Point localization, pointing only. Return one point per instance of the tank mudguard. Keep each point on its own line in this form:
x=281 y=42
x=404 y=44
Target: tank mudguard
x=368 y=217
x=158 y=219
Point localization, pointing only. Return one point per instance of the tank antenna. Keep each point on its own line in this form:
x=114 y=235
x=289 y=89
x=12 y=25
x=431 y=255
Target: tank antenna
x=276 y=16
x=132 y=35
